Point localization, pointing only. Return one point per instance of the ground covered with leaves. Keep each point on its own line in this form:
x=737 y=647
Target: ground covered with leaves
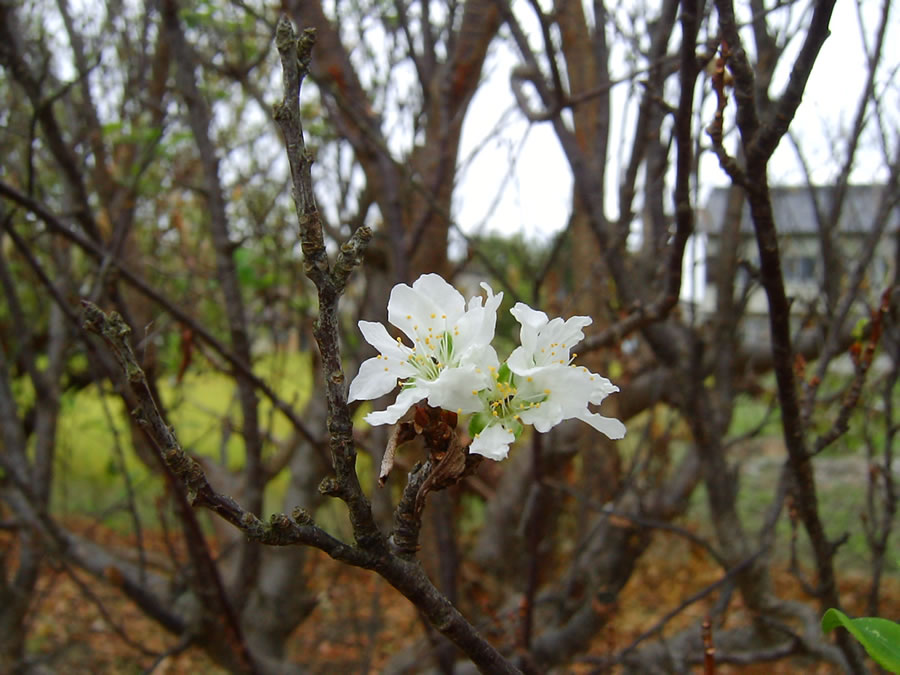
x=81 y=624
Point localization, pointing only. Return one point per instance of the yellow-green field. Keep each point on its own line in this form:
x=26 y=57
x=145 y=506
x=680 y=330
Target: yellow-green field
x=94 y=448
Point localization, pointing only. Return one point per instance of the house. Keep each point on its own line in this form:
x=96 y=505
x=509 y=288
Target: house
x=800 y=247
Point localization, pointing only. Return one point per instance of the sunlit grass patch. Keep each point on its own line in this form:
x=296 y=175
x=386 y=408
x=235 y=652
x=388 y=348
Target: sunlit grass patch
x=94 y=439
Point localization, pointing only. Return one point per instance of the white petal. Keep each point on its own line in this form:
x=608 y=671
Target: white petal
x=602 y=388
x=377 y=336
x=408 y=309
x=473 y=329
x=442 y=294
x=610 y=426
x=567 y=332
x=427 y=308
x=532 y=320
x=521 y=362
x=491 y=301
x=377 y=376
x=545 y=342
x=525 y=315
x=571 y=388
x=558 y=338
x=456 y=389
x=483 y=357
x=396 y=410
x=493 y=442
x=476 y=327
x=543 y=417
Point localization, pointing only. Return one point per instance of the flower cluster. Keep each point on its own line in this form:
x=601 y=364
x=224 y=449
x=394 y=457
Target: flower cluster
x=451 y=364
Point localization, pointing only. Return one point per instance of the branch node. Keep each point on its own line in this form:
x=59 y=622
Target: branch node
x=301 y=516
x=305 y=43
x=330 y=487
x=351 y=256
x=251 y=525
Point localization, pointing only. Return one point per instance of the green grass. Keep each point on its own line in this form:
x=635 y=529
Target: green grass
x=841 y=503
x=94 y=449
x=761 y=414
x=841 y=484
x=755 y=415
x=842 y=472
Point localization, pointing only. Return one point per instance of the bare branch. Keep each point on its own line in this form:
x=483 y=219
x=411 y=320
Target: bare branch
x=768 y=137
x=94 y=250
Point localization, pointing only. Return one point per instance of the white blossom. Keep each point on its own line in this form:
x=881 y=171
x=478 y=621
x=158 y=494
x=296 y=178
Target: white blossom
x=449 y=361
x=539 y=385
x=449 y=356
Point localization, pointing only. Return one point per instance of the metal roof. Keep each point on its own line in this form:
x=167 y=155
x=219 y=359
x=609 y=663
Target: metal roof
x=795 y=214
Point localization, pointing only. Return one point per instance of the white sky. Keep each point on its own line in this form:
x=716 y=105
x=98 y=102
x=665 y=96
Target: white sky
x=537 y=199
x=525 y=166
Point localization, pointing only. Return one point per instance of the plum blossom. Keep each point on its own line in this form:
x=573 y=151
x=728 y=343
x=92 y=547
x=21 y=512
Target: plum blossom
x=539 y=385
x=450 y=352
x=451 y=364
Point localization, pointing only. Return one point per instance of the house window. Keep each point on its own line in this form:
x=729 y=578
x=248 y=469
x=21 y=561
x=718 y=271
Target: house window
x=799 y=268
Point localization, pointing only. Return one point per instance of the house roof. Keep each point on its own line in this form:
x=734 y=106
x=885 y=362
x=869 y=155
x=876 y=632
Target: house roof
x=794 y=211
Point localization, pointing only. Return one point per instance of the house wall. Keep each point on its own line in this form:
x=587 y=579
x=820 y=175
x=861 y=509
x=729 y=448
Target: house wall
x=802 y=265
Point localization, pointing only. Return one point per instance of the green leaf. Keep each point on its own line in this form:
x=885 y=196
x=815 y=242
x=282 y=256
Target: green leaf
x=478 y=422
x=880 y=637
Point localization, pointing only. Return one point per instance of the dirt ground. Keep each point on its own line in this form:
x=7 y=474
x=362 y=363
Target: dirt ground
x=83 y=625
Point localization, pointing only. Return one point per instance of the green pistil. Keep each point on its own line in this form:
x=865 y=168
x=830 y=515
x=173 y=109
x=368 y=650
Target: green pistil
x=431 y=355
x=504 y=399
